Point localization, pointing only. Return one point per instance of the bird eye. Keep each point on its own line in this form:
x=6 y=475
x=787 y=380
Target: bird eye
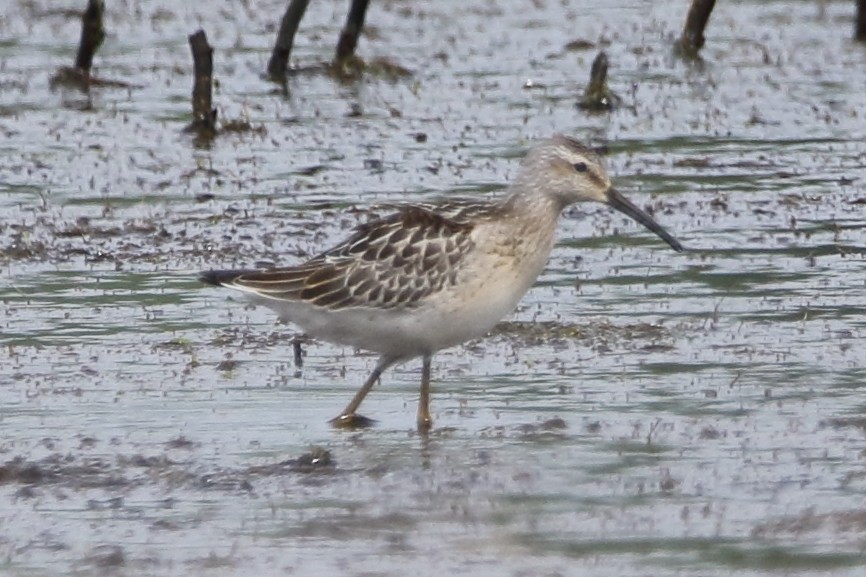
x=580 y=166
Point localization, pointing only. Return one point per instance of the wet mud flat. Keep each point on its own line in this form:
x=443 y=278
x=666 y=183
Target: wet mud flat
x=641 y=413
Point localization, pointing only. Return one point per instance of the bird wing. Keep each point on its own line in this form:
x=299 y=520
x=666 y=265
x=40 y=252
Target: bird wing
x=390 y=262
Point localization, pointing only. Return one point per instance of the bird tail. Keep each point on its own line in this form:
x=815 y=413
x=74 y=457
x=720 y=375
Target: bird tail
x=222 y=277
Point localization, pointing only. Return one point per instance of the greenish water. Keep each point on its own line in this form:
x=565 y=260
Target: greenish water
x=642 y=413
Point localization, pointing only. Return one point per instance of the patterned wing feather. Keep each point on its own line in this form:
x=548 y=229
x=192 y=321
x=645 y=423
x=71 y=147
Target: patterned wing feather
x=391 y=262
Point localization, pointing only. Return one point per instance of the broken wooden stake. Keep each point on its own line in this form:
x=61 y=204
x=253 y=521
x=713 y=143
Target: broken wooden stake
x=598 y=96
x=279 y=63
x=692 y=39
x=92 y=35
x=350 y=33
x=860 y=33
x=204 y=115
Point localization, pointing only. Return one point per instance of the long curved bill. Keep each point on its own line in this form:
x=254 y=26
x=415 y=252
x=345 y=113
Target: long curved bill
x=616 y=200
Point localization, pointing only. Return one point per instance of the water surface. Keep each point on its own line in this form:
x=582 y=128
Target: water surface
x=642 y=413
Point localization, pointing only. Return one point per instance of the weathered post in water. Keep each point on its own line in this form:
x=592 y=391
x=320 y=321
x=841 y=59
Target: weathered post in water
x=861 y=20
x=351 y=31
x=692 y=39
x=92 y=35
x=279 y=62
x=597 y=96
x=204 y=115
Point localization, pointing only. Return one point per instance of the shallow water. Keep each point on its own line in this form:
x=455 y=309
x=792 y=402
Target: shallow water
x=642 y=413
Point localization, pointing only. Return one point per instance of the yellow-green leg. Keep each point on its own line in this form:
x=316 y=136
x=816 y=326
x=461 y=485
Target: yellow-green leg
x=348 y=419
x=424 y=419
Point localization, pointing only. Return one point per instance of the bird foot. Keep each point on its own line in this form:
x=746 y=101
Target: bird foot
x=352 y=422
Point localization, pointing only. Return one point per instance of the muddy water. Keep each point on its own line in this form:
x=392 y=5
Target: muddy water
x=642 y=413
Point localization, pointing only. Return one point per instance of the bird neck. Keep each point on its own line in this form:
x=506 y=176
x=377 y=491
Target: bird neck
x=526 y=203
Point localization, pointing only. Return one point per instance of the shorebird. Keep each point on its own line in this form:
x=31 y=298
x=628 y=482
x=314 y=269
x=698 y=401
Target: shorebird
x=431 y=276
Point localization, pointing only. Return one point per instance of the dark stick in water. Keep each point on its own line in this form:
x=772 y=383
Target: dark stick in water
x=693 y=39
x=92 y=35
x=861 y=20
x=349 y=36
x=597 y=96
x=204 y=115
x=279 y=62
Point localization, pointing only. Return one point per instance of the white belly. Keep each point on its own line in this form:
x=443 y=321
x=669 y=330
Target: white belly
x=488 y=286
x=401 y=333
x=467 y=310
